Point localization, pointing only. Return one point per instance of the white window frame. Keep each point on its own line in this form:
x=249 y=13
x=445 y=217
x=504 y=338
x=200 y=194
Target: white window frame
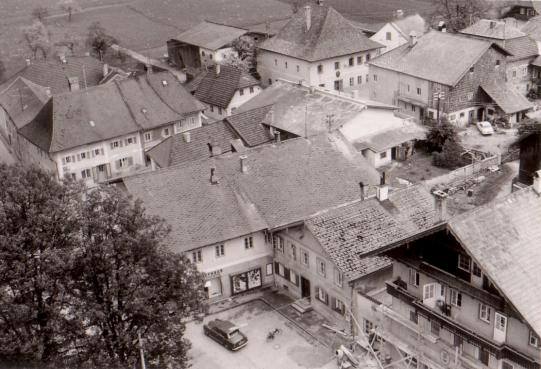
x=429 y=291
x=197 y=256
x=305 y=258
x=414 y=277
x=533 y=340
x=484 y=312
x=248 y=243
x=148 y=136
x=292 y=277
x=460 y=258
x=322 y=295
x=338 y=277
x=455 y=300
x=321 y=267
x=219 y=250
x=500 y=322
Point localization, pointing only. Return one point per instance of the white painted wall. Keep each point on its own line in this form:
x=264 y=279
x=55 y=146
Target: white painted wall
x=236 y=101
x=396 y=38
x=211 y=57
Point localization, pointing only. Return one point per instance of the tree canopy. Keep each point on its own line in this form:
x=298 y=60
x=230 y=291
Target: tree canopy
x=98 y=39
x=83 y=273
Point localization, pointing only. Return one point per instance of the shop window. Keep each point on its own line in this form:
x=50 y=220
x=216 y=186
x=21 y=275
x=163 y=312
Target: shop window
x=246 y=281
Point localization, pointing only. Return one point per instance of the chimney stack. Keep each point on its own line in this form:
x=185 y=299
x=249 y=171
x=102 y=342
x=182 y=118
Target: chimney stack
x=537 y=182
x=361 y=185
x=277 y=138
x=105 y=69
x=187 y=137
x=308 y=16
x=243 y=165
x=217 y=69
x=440 y=204
x=399 y=13
x=48 y=91
x=213 y=177
x=28 y=62
x=413 y=38
x=382 y=192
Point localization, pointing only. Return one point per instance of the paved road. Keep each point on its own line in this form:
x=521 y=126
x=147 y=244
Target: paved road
x=287 y=350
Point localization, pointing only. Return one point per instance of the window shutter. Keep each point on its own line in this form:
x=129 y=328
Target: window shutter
x=130 y=161
x=333 y=303
x=63 y=161
x=134 y=139
x=276 y=267
x=73 y=158
x=297 y=279
x=117 y=164
x=101 y=151
x=286 y=273
x=94 y=172
x=112 y=147
x=93 y=153
x=120 y=143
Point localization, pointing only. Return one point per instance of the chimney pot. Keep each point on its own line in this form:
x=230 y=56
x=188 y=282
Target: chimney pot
x=218 y=69
x=28 y=62
x=537 y=182
x=440 y=201
x=361 y=185
x=413 y=38
x=308 y=16
x=382 y=192
x=105 y=69
x=187 y=137
x=243 y=165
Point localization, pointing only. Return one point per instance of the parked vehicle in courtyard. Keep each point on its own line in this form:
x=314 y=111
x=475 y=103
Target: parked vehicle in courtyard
x=485 y=128
x=225 y=333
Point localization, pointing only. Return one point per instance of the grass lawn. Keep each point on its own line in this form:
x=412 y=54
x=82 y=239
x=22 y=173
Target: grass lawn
x=416 y=169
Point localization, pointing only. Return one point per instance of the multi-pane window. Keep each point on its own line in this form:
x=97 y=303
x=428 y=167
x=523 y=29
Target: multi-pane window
x=293 y=277
x=251 y=89
x=414 y=317
x=220 y=251
x=359 y=80
x=339 y=306
x=320 y=68
x=338 y=277
x=476 y=270
x=241 y=91
x=336 y=65
x=148 y=136
x=351 y=62
x=360 y=59
x=413 y=277
x=368 y=326
x=456 y=298
x=484 y=312
x=293 y=251
x=534 y=340
x=197 y=257
x=278 y=244
x=435 y=327
x=248 y=242
x=352 y=81
x=464 y=262
x=165 y=132
x=322 y=296
x=85 y=173
x=305 y=257
x=321 y=267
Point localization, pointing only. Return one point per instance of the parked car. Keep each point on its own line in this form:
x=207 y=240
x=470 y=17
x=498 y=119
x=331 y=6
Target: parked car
x=485 y=128
x=225 y=333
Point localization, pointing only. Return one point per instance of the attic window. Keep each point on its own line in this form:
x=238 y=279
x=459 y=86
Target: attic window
x=92 y=124
x=164 y=83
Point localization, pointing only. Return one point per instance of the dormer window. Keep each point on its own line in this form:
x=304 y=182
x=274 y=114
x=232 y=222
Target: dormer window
x=471 y=70
x=534 y=340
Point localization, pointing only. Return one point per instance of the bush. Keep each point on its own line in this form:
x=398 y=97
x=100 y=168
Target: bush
x=451 y=155
x=439 y=134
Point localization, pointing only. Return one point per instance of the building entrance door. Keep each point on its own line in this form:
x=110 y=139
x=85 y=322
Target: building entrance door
x=305 y=287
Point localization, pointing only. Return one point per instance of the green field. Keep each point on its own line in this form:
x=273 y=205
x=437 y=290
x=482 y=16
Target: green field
x=147 y=24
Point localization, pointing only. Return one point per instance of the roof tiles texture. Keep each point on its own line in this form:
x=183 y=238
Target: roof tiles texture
x=218 y=89
x=248 y=125
x=493 y=29
x=362 y=227
x=212 y=36
x=434 y=57
x=503 y=237
x=329 y=35
x=22 y=100
x=319 y=175
x=506 y=97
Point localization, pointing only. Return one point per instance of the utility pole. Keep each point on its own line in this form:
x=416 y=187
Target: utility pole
x=141 y=351
x=438 y=95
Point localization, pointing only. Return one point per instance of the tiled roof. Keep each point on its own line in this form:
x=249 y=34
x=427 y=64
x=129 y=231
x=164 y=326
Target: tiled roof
x=350 y=231
x=175 y=150
x=219 y=89
x=248 y=125
x=212 y=36
x=54 y=74
x=156 y=99
x=488 y=28
x=367 y=28
x=330 y=35
x=40 y=130
x=506 y=97
x=520 y=48
x=385 y=140
x=411 y=23
x=268 y=28
x=22 y=100
x=297 y=110
x=537 y=61
x=435 y=57
x=503 y=238
x=533 y=28
x=285 y=183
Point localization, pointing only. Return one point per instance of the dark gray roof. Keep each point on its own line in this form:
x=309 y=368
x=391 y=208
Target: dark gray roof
x=350 y=231
x=503 y=238
x=520 y=48
x=249 y=126
x=435 y=58
x=212 y=36
x=218 y=89
x=22 y=100
x=284 y=184
x=498 y=30
x=506 y=97
x=330 y=35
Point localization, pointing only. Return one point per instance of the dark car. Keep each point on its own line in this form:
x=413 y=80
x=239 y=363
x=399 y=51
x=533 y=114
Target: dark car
x=225 y=333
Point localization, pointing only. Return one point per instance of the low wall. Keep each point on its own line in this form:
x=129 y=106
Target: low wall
x=464 y=172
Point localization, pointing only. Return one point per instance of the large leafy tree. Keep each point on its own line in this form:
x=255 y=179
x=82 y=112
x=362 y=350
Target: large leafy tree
x=99 y=40
x=131 y=285
x=37 y=234
x=459 y=14
x=84 y=273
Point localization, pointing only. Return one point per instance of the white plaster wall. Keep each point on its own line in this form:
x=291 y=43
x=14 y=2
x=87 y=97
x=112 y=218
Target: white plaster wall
x=396 y=37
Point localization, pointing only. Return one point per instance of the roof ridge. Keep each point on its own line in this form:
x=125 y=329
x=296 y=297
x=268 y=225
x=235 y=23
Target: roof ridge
x=123 y=98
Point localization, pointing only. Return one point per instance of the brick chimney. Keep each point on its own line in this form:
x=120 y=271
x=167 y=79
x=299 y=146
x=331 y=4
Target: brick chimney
x=277 y=138
x=308 y=17
x=382 y=191
x=440 y=205
x=243 y=164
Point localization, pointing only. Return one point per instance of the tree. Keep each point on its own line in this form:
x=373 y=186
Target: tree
x=83 y=273
x=459 y=14
x=439 y=134
x=99 y=40
x=37 y=37
x=450 y=156
x=132 y=284
x=40 y=13
x=70 y=7
x=37 y=225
